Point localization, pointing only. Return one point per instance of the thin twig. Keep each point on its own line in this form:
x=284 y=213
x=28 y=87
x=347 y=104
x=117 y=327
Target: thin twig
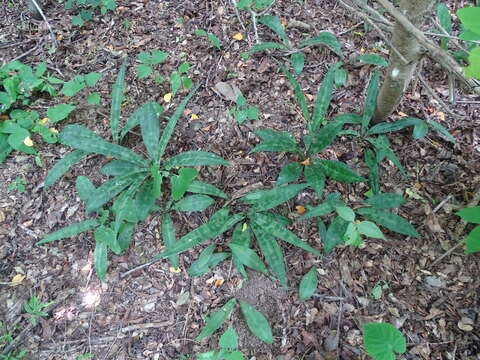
x=442 y=203
x=27 y=52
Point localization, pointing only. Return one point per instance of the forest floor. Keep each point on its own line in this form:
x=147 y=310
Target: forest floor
x=154 y=313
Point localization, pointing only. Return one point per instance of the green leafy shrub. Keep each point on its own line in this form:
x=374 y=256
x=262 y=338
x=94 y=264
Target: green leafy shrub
x=470 y=18
x=87 y=9
x=472 y=215
x=136 y=182
x=383 y=340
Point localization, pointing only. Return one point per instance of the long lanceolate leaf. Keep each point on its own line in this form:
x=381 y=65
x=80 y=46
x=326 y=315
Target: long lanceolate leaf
x=266 y=199
x=117 y=97
x=134 y=119
x=323 y=137
x=324 y=38
x=168 y=237
x=370 y=100
x=272 y=252
x=112 y=188
x=217 y=319
x=257 y=323
x=79 y=137
x=62 y=166
x=298 y=93
x=172 y=122
x=386 y=127
x=274 y=24
x=390 y=221
x=218 y=224
x=196 y=158
x=339 y=171
x=267 y=45
x=275 y=141
x=150 y=127
x=323 y=99
x=69 y=231
x=275 y=229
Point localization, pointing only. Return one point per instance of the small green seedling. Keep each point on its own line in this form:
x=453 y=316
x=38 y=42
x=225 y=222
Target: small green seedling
x=147 y=59
x=179 y=78
x=34 y=308
x=472 y=215
x=17 y=185
x=243 y=111
x=87 y=8
x=80 y=82
x=212 y=38
x=378 y=289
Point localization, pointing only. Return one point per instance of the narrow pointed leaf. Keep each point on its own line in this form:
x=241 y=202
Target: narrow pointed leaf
x=386 y=201
x=266 y=199
x=373 y=175
x=199 y=187
x=298 y=93
x=84 y=188
x=281 y=232
x=257 y=323
x=84 y=139
x=168 y=237
x=229 y=340
x=390 y=221
x=117 y=97
x=182 y=181
x=441 y=130
x=134 y=119
x=298 y=62
x=372 y=59
x=217 y=319
x=320 y=210
x=274 y=24
x=339 y=171
x=308 y=285
x=323 y=137
x=289 y=173
x=144 y=200
x=241 y=237
x=247 y=257
x=124 y=237
x=387 y=127
x=370 y=229
x=172 y=122
x=371 y=100
x=275 y=141
x=194 y=203
x=100 y=259
x=69 y=231
x=325 y=38
x=196 y=158
x=324 y=97
x=118 y=167
x=200 y=266
x=150 y=127
x=62 y=166
x=335 y=233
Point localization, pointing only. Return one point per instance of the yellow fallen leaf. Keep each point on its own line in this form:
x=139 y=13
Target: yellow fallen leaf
x=27 y=141
x=418 y=185
x=218 y=282
x=357 y=222
x=310 y=97
x=300 y=209
x=436 y=144
x=238 y=36
x=194 y=117
x=53 y=130
x=17 y=279
x=402 y=114
x=110 y=47
x=60 y=37
x=44 y=120
x=244 y=227
x=440 y=115
x=174 y=269
x=167 y=97
x=305 y=162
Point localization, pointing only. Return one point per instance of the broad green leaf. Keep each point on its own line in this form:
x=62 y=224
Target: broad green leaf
x=217 y=318
x=315 y=178
x=145 y=199
x=373 y=176
x=108 y=190
x=150 y=128
x=182 y=181
x=274 y=24
x=272 y=253
x=168 y=237
x=275 y=229
x=247 y=257
x=94 y=98
x=257 y=323
x=345 y=213
x=371 y=59
x=473 y=70
x=323 y=137
x=289 y=173
x=276 y=142
x=229 y=339
x=470 y=214
x=194 y=203
x=390 y=221
x=441 y=130
x=473 y=241
x=266 y=199
x=325 y=38
x=106 y=235
x=267 y=45
x=134 y=119
x=144 y=71
x=420 y=130
x=84 y=139
x=62 y=166
x=370 y=100
x=118 y=167
x=213 y=261
x=74 y=86
x=175 y=82
x=220 y=222
x=352 y=236
x=299 y=97
x=387 y=127
x=199 y=187
x=469 y=17
x=308 y=285
x=172 y=122
x=196 y=158
x=124 y=237
x=92 y=78
x=323 y=209
x=100 y=259
x=117 y=97
x=335 y=233
x=84 y=188
x=386 y=201
x=59 y=112
x=383 y=340
x=323 y=98
x=339 y=171
x=369 y=229
x=17 y=140
x=69 y=231
x=298 y=62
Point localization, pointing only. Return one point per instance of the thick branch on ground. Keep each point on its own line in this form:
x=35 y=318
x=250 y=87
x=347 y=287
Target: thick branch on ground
x=434 y=51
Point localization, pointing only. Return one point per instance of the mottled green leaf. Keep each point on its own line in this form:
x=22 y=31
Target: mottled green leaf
x=195 y=158
x=372 y=59
x=325 y=38
x=182 y=181
x=257 y=323
x=308 y=285
x=385 y=201
x=194 y=203
x=289 y=173
x=69 y=231
x=390 y=221
x=117 y=97
x=339 y=171
x=266 y=199
x=298 y=62
x=274 y=24
x=199 y=187
x=370 y=100
x=335 y=233
x=217 y=318
x=62 y=166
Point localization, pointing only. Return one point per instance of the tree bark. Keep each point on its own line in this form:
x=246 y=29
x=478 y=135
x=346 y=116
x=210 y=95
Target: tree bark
x=400 y=73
